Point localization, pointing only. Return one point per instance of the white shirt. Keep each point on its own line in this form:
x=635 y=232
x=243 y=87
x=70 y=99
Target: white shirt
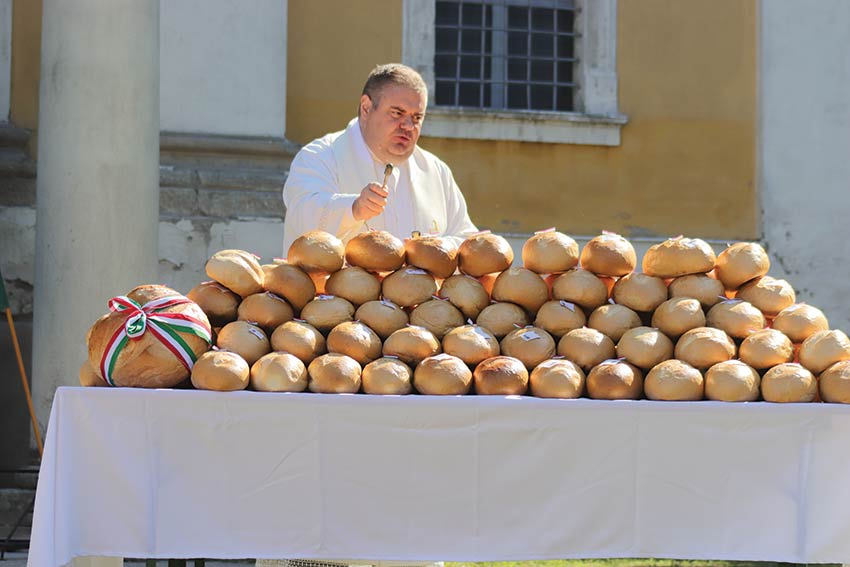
x=328 y=174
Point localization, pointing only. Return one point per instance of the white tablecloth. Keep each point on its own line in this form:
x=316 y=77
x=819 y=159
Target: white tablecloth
x=160 y=473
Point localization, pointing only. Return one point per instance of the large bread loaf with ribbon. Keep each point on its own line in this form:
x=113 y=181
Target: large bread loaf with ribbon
x=150 y=339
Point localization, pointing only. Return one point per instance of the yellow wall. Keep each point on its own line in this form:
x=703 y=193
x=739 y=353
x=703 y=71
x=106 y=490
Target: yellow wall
x=687 y=78
x=26 y=57
x=331 y=47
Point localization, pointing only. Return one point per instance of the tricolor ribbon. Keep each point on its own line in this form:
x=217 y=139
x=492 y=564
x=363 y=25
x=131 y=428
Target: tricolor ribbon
x=166 y=327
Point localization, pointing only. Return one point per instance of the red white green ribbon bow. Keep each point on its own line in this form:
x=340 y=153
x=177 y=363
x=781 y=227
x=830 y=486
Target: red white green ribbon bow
x=164 y=326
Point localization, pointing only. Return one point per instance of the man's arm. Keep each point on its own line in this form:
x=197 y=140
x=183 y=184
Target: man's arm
x=312 y=198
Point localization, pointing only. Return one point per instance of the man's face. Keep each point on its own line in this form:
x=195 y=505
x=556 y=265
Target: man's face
x=391 y=122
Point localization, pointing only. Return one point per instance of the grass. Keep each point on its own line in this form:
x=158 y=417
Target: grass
x=624 y=563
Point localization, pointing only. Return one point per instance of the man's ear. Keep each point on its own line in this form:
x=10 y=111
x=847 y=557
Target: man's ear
x=365 y=104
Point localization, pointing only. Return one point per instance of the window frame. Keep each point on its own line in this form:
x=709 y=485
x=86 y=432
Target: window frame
x=598 y=122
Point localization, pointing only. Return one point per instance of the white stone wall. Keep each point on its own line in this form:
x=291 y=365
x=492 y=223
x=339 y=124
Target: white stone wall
x=223 y=67
x=184 y=247
x=804 y=148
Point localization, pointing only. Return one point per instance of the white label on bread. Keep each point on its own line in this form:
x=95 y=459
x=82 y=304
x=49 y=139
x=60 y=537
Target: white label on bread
x=530 y=335
x=611 y=301
x=324 y=297
x=275 y=296
x=481 y=331
x=442 y=356
x=299 y=320
x=256 y=332
x=545 y=230
x=416 y=271
x=568 y=305
x=612 y=361
x=389 y=303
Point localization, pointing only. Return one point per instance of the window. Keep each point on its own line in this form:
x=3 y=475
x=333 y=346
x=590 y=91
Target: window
x=509 y=54
x=534 y=70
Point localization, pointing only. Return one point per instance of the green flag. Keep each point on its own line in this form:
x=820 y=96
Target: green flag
x=4 y=301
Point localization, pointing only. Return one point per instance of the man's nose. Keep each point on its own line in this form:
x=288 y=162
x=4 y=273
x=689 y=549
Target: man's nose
x=407 y=123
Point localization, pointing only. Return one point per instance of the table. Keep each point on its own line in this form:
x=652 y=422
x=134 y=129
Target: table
x=171 y=473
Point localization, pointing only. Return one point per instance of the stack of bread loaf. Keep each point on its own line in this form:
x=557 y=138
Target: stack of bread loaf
x=382 y=316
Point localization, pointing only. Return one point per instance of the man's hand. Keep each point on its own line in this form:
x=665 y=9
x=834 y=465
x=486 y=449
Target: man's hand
x=370 y=203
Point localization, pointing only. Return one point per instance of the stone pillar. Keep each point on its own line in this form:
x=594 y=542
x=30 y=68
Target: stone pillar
x=98 y=175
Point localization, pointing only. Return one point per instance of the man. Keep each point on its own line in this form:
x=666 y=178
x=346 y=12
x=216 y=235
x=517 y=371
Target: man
x=336 y=184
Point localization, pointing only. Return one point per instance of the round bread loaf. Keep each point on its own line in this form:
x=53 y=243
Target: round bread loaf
x=789 y=383
x=221 y=371
x=320 y=279
x=237 y=270
x=502 y=318
x=501 y=376
x=411 y=345
x=834 y=383
x=409 y=286
x=334 y=373
x=765 y=348
x=484 y=253
x=245 y=339
x=266 y=309
x=145 y=361
x=823 y=349
x=300 y=339
x=645 y=347
x=317 y=251
x=581 y=287
x=615 y=380
x=90 y=377
x=442 y=375
x=613 y=320
x=436 y=254
x=609 y=255
x=327 y=311
x=640 y=292
x=488 y=280
x=279 y=372
x=269 y=267
x=740 y=263
x=707 y=290
x=437 y=315
x=384 y=317
x=559 y=317
x=800 y=321
x=466 y=293
x=530 y=345
x=738 y=318
x=355 y=285
x=704 y=347
x=219 y=303
x=375 y=251
x=732 y=381
x=550 y=252
x=678 y=257
x=674 y=381
x=291 y=283
x=356 y=340
x=387 y=376
x=769 y=295
x=471 y=343
x=557 y=378
x=522 y=287
x=678 y=315
x=586 y=347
